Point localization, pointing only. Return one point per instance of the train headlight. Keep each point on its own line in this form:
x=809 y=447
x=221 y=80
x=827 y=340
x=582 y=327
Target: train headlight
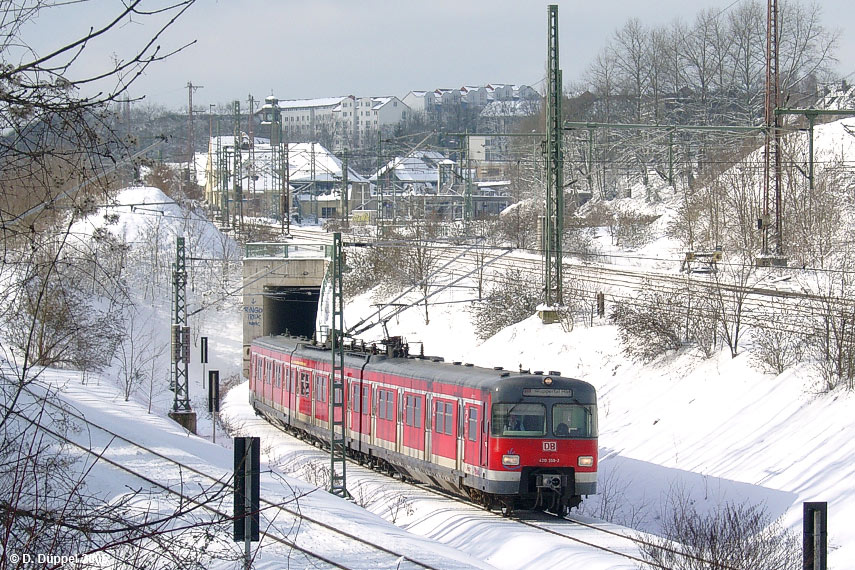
x=586 y=460
x=510 y=460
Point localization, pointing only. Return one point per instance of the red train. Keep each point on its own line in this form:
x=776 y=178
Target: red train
x=510 y=440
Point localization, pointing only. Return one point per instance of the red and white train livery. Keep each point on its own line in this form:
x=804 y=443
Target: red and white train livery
x=500 y=438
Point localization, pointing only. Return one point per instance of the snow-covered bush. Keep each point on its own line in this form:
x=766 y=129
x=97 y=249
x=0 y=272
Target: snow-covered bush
x=778 y=344
x=737 y=536
x=512 y=298
x=649 y=325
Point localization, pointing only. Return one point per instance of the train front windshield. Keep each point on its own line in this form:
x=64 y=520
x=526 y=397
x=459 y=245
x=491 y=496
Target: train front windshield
x=574 y=420
x=530 y=420
x=519 y=420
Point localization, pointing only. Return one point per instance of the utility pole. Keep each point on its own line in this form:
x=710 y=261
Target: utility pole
x=250 y=179
x=345 y=204
x=237 y=213
x=181 y=411
x=554 y=222
x=271 y=116
x=286 y=228
x=211 y=176
x=467 y=188
x=191 y=139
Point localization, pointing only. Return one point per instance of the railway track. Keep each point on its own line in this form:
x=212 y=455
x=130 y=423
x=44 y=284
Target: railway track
x=623 y=283
x=360 y=552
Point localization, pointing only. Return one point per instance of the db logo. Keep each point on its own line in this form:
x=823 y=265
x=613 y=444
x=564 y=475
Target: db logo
x=550 y=446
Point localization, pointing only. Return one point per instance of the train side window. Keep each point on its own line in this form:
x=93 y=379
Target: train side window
x=390 y=405
x=381 y=404
x=305 y=385
x=417 y=411
x=321 y=390
x=410 y=410
x=354 y=398
x=472 y=428
x=444 y=418
x=366 y=399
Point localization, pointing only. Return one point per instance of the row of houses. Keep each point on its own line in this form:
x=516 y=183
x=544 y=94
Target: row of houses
x=256 y=177
x=350 y=121
x=477 y=96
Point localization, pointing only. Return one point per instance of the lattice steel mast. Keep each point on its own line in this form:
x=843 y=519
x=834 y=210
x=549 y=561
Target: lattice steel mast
x=554 y=221
x=181 y=411
x=772 y=144
x=338 y=444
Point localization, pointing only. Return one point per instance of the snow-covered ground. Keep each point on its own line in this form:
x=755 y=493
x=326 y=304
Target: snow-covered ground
x=711 y=430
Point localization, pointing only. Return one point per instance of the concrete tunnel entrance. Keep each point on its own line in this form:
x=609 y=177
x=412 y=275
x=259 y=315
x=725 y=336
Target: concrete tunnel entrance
x=290 y=310
x=281 y=289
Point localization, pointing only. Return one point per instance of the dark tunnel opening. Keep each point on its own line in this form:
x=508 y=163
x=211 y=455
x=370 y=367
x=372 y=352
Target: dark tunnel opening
x=290 y=310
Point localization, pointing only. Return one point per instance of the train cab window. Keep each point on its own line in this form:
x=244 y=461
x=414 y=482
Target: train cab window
x=519 y=420
x=574 y=420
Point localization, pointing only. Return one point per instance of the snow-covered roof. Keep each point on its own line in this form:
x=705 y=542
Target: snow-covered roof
x=418 y=166
x=309 y=103
x=307 y=162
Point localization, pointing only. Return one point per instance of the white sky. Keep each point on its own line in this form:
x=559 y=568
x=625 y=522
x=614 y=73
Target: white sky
x=297 y=49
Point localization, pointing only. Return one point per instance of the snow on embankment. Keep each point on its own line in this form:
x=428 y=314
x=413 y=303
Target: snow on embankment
x=715 y=430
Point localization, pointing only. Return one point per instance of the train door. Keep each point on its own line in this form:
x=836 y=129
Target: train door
x=472 y=434
x=321 y=411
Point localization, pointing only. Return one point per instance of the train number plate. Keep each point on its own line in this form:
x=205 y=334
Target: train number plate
x=550 y=446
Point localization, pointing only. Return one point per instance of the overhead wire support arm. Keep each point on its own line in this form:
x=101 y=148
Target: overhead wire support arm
x=811 y=115
x=366 y=323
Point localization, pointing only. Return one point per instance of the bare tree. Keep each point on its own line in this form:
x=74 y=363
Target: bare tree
x=139 y=350
x=58 y=155
x=736 y=536
x=422 y=257
x=733 y=283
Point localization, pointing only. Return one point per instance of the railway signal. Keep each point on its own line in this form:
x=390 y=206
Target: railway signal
x=247 y=462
